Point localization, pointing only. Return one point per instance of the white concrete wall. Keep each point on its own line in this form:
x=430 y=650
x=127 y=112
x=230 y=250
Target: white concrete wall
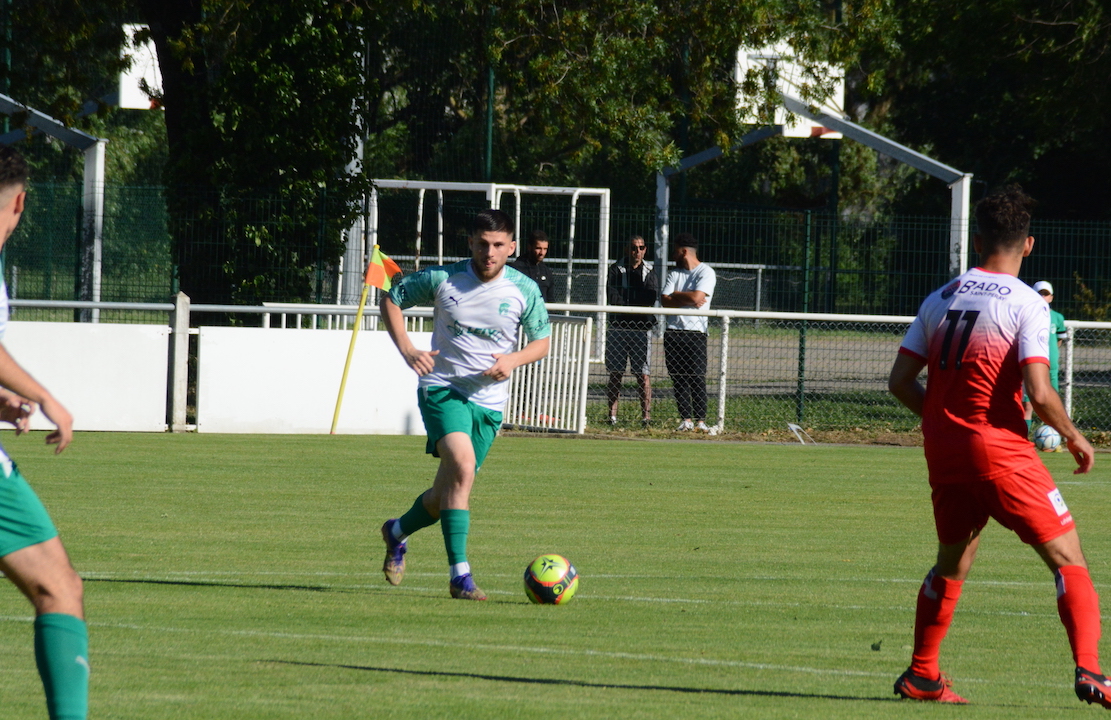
x=110 y=377
x=254 y=380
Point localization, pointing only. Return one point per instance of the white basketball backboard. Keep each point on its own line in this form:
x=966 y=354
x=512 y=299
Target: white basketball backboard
x=791 y=80
x=144 y=67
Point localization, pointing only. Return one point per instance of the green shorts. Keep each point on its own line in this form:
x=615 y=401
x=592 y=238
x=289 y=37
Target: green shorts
x=23 y=519
x=446 y=411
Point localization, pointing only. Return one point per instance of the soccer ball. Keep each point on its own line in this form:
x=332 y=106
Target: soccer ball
x=551 y=580
x=1047 y=439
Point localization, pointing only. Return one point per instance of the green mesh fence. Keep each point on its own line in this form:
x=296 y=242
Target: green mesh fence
x=256 y=249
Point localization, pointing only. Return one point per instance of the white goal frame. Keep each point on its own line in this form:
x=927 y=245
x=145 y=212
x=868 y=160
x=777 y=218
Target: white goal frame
x=363 y=236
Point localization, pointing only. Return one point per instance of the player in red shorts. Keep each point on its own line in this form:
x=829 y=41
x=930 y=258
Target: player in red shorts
x=981 y=337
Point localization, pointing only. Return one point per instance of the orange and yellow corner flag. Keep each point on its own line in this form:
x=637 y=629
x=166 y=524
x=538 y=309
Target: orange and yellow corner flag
x=381 y=270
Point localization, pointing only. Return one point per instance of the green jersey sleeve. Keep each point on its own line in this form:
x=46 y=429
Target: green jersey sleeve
x=534 y=319
x=420 y=287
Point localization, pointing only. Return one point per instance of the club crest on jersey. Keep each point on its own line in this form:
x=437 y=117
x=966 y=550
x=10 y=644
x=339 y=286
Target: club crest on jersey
x=950 y=289
x=503 y=309
x=984 y=288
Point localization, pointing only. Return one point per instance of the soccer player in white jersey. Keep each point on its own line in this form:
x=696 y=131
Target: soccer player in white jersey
x=982 y=336
x=480 y=305
x=31 y=554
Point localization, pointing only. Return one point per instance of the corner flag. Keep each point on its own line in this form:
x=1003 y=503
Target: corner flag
x=379 y=274
x=380 y=271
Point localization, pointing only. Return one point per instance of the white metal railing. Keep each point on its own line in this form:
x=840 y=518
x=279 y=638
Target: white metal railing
x=551 y=395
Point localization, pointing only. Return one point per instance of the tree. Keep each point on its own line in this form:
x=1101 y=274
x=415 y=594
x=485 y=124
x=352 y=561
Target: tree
x=1005 y=89
x=263 y=117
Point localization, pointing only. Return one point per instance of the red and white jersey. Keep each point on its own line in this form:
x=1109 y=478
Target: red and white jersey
x=975 y=334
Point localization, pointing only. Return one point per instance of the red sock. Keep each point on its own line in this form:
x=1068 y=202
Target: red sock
x=1078 y=606
x=936 y=601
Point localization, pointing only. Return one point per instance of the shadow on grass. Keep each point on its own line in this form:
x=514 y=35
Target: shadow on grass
x=209 y=584
x=580 y=683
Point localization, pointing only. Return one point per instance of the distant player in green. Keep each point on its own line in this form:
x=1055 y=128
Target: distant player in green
x=1058 y=334
x=480 y=306
x=31 y=555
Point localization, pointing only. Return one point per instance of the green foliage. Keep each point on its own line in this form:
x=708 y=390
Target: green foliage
x=1007 y=89
x=1091 y=307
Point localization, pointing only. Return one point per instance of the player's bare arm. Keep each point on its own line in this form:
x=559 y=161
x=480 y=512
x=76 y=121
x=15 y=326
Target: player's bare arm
x=1047 y=404
x=19 y=381
x=421 y=361
x=684 y=299
x=16 y=410
x=903 y=382
x=530 y=353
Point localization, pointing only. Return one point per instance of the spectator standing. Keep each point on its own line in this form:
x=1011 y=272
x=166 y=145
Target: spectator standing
x=630 y=282
x=531 y=263
x=690 y=285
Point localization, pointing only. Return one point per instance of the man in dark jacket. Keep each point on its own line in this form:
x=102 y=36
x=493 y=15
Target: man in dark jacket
x=630 y=282
x=531 y=263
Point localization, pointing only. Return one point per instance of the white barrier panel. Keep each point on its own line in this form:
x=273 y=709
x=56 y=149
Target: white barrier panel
x=110 y=377
x=256 y=380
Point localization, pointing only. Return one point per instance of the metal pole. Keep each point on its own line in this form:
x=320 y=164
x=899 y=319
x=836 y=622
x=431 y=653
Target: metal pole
x=93 y=231
x=960 y=192
x=723 y=373
x=179 y=367
x=1068 y=370
x=800 y=391
x=663 y=202
x=571 y=245
x=420 y=227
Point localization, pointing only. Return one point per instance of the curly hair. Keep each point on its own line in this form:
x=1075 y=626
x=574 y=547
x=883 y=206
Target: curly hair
x=13 y=168
x=1003 y=218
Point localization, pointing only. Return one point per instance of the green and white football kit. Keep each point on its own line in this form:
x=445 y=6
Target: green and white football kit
x=472 y=322
x=61 y=641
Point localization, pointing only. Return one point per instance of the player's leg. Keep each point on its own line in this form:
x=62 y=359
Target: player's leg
x=442 y=411
x=44 y=574
x=937 y=599
x=1078 y=607
x=959 y=515
x=462 y=454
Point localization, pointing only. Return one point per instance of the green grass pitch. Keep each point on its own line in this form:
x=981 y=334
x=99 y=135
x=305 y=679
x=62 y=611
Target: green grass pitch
x=239 y=577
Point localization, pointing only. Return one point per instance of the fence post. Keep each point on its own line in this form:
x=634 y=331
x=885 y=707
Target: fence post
x=179 y=362
x=724 y=372
x=1068 y=370
x=800 y=391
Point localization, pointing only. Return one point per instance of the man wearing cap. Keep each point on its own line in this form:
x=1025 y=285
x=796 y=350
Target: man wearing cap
x=1056 y=327
x=690 y=285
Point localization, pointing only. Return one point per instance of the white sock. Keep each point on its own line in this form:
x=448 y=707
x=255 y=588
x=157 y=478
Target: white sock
x=395 y=530
x=460 y=569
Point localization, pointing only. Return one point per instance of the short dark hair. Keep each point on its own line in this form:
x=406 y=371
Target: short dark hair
x=1003 y=219
x=493 y=221
x=13 y=168
x=537 y=236
x=686 y=240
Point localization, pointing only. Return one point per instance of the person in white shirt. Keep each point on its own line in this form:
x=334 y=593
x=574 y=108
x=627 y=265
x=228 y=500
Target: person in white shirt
x=690 y=285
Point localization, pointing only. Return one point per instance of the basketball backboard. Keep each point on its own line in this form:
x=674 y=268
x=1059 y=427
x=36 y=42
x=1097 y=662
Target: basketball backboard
x=791 y=79
x=144 y=69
